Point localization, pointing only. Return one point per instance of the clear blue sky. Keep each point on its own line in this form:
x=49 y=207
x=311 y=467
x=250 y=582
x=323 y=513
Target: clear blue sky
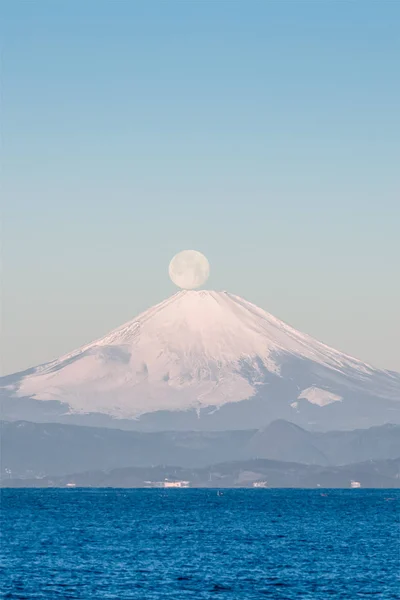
x=264 y=134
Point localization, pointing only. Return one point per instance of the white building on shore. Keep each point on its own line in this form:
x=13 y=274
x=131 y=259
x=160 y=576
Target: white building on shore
x=168 y=484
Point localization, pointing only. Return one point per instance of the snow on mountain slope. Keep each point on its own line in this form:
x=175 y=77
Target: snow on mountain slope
x=320 y=397
x=198 y=349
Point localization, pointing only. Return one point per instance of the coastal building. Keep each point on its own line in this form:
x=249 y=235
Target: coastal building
x=168 y=484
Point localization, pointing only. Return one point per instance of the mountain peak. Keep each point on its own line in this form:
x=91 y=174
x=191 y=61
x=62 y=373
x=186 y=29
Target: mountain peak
x=220 y=327
x=199 y=349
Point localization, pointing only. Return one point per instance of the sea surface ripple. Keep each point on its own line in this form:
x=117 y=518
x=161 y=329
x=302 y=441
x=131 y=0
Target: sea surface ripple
x=159 y=544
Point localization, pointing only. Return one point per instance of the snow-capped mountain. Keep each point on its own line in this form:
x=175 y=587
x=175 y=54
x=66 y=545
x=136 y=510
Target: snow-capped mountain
x=204 y=359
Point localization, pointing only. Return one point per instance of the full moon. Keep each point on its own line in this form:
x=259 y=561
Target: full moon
x=189 y=269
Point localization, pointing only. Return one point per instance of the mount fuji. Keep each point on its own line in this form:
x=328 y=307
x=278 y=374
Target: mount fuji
x=204 y=360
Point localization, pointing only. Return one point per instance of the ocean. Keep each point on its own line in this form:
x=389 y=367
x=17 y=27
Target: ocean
x=184 y=543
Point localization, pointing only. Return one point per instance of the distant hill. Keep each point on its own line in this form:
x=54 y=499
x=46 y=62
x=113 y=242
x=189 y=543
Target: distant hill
x=282 y=440
x=40 y=449
x=37 y=449
x=264 y=473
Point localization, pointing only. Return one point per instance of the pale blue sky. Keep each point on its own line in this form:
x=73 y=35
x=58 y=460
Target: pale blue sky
x=264 y=134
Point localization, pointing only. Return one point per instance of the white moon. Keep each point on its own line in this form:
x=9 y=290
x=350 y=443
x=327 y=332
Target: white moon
x=189 y=269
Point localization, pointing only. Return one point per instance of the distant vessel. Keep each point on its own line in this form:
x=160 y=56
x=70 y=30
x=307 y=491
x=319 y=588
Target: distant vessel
x=355 y=484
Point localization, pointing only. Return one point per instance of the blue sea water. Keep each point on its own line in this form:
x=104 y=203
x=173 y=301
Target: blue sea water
x=156 y=544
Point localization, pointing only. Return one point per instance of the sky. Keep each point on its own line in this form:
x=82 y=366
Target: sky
x=265 y=134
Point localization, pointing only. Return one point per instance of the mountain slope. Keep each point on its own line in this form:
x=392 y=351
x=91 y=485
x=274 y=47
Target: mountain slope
x=199 y=352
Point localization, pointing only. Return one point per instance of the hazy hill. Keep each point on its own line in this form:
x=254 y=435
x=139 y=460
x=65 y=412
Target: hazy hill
x=373 y=474
x=37 y=449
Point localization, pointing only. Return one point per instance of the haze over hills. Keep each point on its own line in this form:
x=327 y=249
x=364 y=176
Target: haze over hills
x=53 y=449
x=242 y=474
x=204 y=360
